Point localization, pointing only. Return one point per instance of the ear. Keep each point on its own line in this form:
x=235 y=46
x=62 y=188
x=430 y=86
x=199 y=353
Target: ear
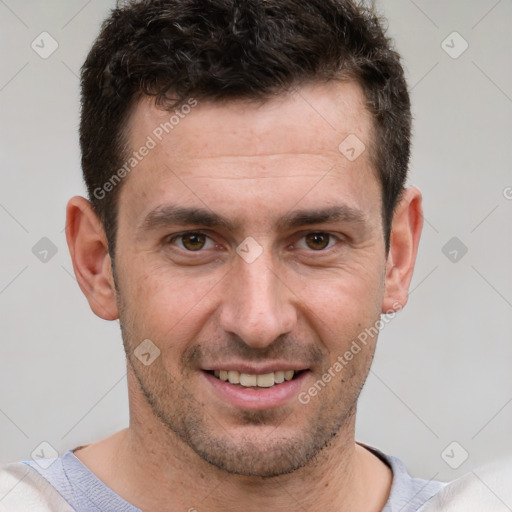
x=88 y=247
x=405 y=238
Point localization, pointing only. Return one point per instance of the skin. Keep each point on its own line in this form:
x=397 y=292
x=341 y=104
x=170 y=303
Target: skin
x=304 y=299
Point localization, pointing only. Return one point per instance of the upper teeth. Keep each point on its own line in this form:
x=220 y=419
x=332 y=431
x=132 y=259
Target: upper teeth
x=265 y=380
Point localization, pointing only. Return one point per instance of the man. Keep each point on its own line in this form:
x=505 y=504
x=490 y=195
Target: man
x=248 y=223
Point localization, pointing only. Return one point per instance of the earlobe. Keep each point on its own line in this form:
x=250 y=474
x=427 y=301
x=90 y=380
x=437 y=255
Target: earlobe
x=405 y=238
x=91 y=261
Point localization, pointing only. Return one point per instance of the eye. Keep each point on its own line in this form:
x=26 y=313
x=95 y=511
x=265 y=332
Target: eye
x=192 y=241
x=318 y=241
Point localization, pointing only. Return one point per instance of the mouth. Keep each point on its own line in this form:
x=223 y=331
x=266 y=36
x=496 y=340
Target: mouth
x=256 y=389
x=252 y=381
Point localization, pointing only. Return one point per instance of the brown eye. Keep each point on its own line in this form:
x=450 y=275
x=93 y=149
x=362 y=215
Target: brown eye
x=317 y=241
x=193 y=241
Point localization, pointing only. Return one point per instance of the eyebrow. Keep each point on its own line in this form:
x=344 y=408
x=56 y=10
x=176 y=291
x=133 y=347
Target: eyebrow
x=168 y=215
x=340 y=213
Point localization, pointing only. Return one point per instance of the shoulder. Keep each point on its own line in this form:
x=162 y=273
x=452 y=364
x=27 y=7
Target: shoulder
x=486 y=488
x=407 y=493
x=22 y=489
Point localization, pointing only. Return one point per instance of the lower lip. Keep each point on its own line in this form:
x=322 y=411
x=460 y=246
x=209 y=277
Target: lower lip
x=257 y=399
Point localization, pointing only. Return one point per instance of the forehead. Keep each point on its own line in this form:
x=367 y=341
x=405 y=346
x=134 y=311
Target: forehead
x=327 y=110
x=207 y=152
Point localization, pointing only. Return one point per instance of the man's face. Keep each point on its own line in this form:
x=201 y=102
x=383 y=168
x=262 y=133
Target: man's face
x=247 y=242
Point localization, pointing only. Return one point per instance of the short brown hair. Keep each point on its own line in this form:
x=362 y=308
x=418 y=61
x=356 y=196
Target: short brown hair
x=236 y=49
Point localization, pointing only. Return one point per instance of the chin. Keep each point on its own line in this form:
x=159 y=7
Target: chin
x=260 y=451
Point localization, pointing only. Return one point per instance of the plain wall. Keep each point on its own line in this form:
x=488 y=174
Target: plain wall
x=442 y=371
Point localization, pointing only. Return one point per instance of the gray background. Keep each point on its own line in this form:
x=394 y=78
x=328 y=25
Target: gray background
x=442 y=371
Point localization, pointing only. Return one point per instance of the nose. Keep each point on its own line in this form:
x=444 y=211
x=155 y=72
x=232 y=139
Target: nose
x=257 y=305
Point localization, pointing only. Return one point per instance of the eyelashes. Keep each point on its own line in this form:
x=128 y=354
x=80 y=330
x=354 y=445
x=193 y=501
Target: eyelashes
x=192 y=241
x=198 y=241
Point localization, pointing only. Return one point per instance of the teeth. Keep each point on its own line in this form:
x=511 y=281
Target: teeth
x=234 y=377
x=278 y=377
x=288 y=375
x=248 y=380
x=266 y=380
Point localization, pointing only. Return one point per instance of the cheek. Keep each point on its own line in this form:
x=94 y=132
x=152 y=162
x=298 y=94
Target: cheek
x=342 y=307
x=169 y=308
x=350 y=290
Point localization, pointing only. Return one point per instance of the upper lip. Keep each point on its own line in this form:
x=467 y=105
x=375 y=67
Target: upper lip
x=252 y=369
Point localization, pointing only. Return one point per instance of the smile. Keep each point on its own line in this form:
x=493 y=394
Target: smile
x=266 y=380
x=256 y=388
